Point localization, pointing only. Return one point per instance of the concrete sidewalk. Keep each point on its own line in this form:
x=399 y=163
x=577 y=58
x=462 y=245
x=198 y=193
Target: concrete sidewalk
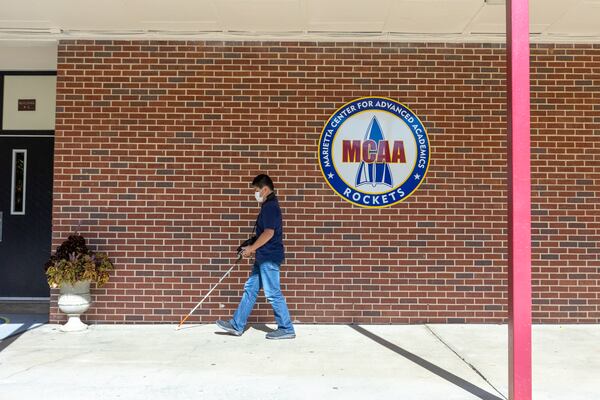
x=324 y=362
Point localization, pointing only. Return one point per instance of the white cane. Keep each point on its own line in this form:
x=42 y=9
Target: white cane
x=209 y=292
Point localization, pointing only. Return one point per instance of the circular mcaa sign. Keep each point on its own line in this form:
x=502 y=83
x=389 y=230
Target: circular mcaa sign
x=374 y=152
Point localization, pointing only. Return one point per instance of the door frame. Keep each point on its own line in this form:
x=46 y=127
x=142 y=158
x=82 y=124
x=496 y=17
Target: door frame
x=21 y=133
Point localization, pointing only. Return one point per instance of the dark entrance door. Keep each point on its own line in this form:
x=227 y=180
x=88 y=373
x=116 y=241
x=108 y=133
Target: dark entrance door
x=26 y=214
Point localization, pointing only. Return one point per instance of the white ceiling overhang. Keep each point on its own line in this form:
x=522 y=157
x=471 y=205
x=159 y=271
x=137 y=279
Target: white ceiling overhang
x=554 y=21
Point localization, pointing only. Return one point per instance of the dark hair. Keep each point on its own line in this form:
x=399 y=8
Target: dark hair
x=263 y=180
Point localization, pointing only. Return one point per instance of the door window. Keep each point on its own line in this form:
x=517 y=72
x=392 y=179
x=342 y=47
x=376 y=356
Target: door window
x=19 y=175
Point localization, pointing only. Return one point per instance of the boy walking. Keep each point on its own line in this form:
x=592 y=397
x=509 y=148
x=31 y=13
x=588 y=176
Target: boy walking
x=269 y=254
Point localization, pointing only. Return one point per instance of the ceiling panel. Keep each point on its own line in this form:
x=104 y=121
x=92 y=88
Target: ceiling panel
x=437 y=20
x=348 y=16
x=543 y=13
x=179 y=16
x=490 y=19
x=261 y=15
x=431 y=16
x=583 y=19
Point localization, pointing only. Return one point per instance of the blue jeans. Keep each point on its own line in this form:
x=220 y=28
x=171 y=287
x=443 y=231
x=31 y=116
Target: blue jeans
x=264 y=276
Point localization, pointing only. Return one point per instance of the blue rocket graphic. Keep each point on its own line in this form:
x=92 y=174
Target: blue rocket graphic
x=374 y=173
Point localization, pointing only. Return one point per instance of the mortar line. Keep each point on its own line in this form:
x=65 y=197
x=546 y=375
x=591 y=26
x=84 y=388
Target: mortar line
x=465 y=361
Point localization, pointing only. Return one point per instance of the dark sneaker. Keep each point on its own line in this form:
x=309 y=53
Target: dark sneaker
x=226 y=326
x=280 y=334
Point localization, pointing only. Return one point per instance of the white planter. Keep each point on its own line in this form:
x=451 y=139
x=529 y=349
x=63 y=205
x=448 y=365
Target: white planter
x=74 y=300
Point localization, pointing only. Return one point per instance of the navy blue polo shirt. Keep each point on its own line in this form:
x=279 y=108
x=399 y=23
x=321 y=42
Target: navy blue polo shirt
x=270 y=218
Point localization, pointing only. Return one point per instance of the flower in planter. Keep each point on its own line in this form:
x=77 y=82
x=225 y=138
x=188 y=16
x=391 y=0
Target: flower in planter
x=73 y=262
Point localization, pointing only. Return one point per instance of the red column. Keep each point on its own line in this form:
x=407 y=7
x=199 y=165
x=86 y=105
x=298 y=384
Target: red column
x=519 y=200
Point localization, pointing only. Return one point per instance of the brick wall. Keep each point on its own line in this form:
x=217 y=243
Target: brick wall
x=156 y=143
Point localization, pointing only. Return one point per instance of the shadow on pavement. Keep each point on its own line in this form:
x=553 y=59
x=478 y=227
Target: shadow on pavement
x=4 y=343
x=442 y=373
x=13 y=325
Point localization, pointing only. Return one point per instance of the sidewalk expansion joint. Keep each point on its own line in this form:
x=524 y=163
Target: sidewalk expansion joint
x=465 y=361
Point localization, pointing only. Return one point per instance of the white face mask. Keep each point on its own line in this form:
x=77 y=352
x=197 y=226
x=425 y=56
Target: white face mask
x=258 y=197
